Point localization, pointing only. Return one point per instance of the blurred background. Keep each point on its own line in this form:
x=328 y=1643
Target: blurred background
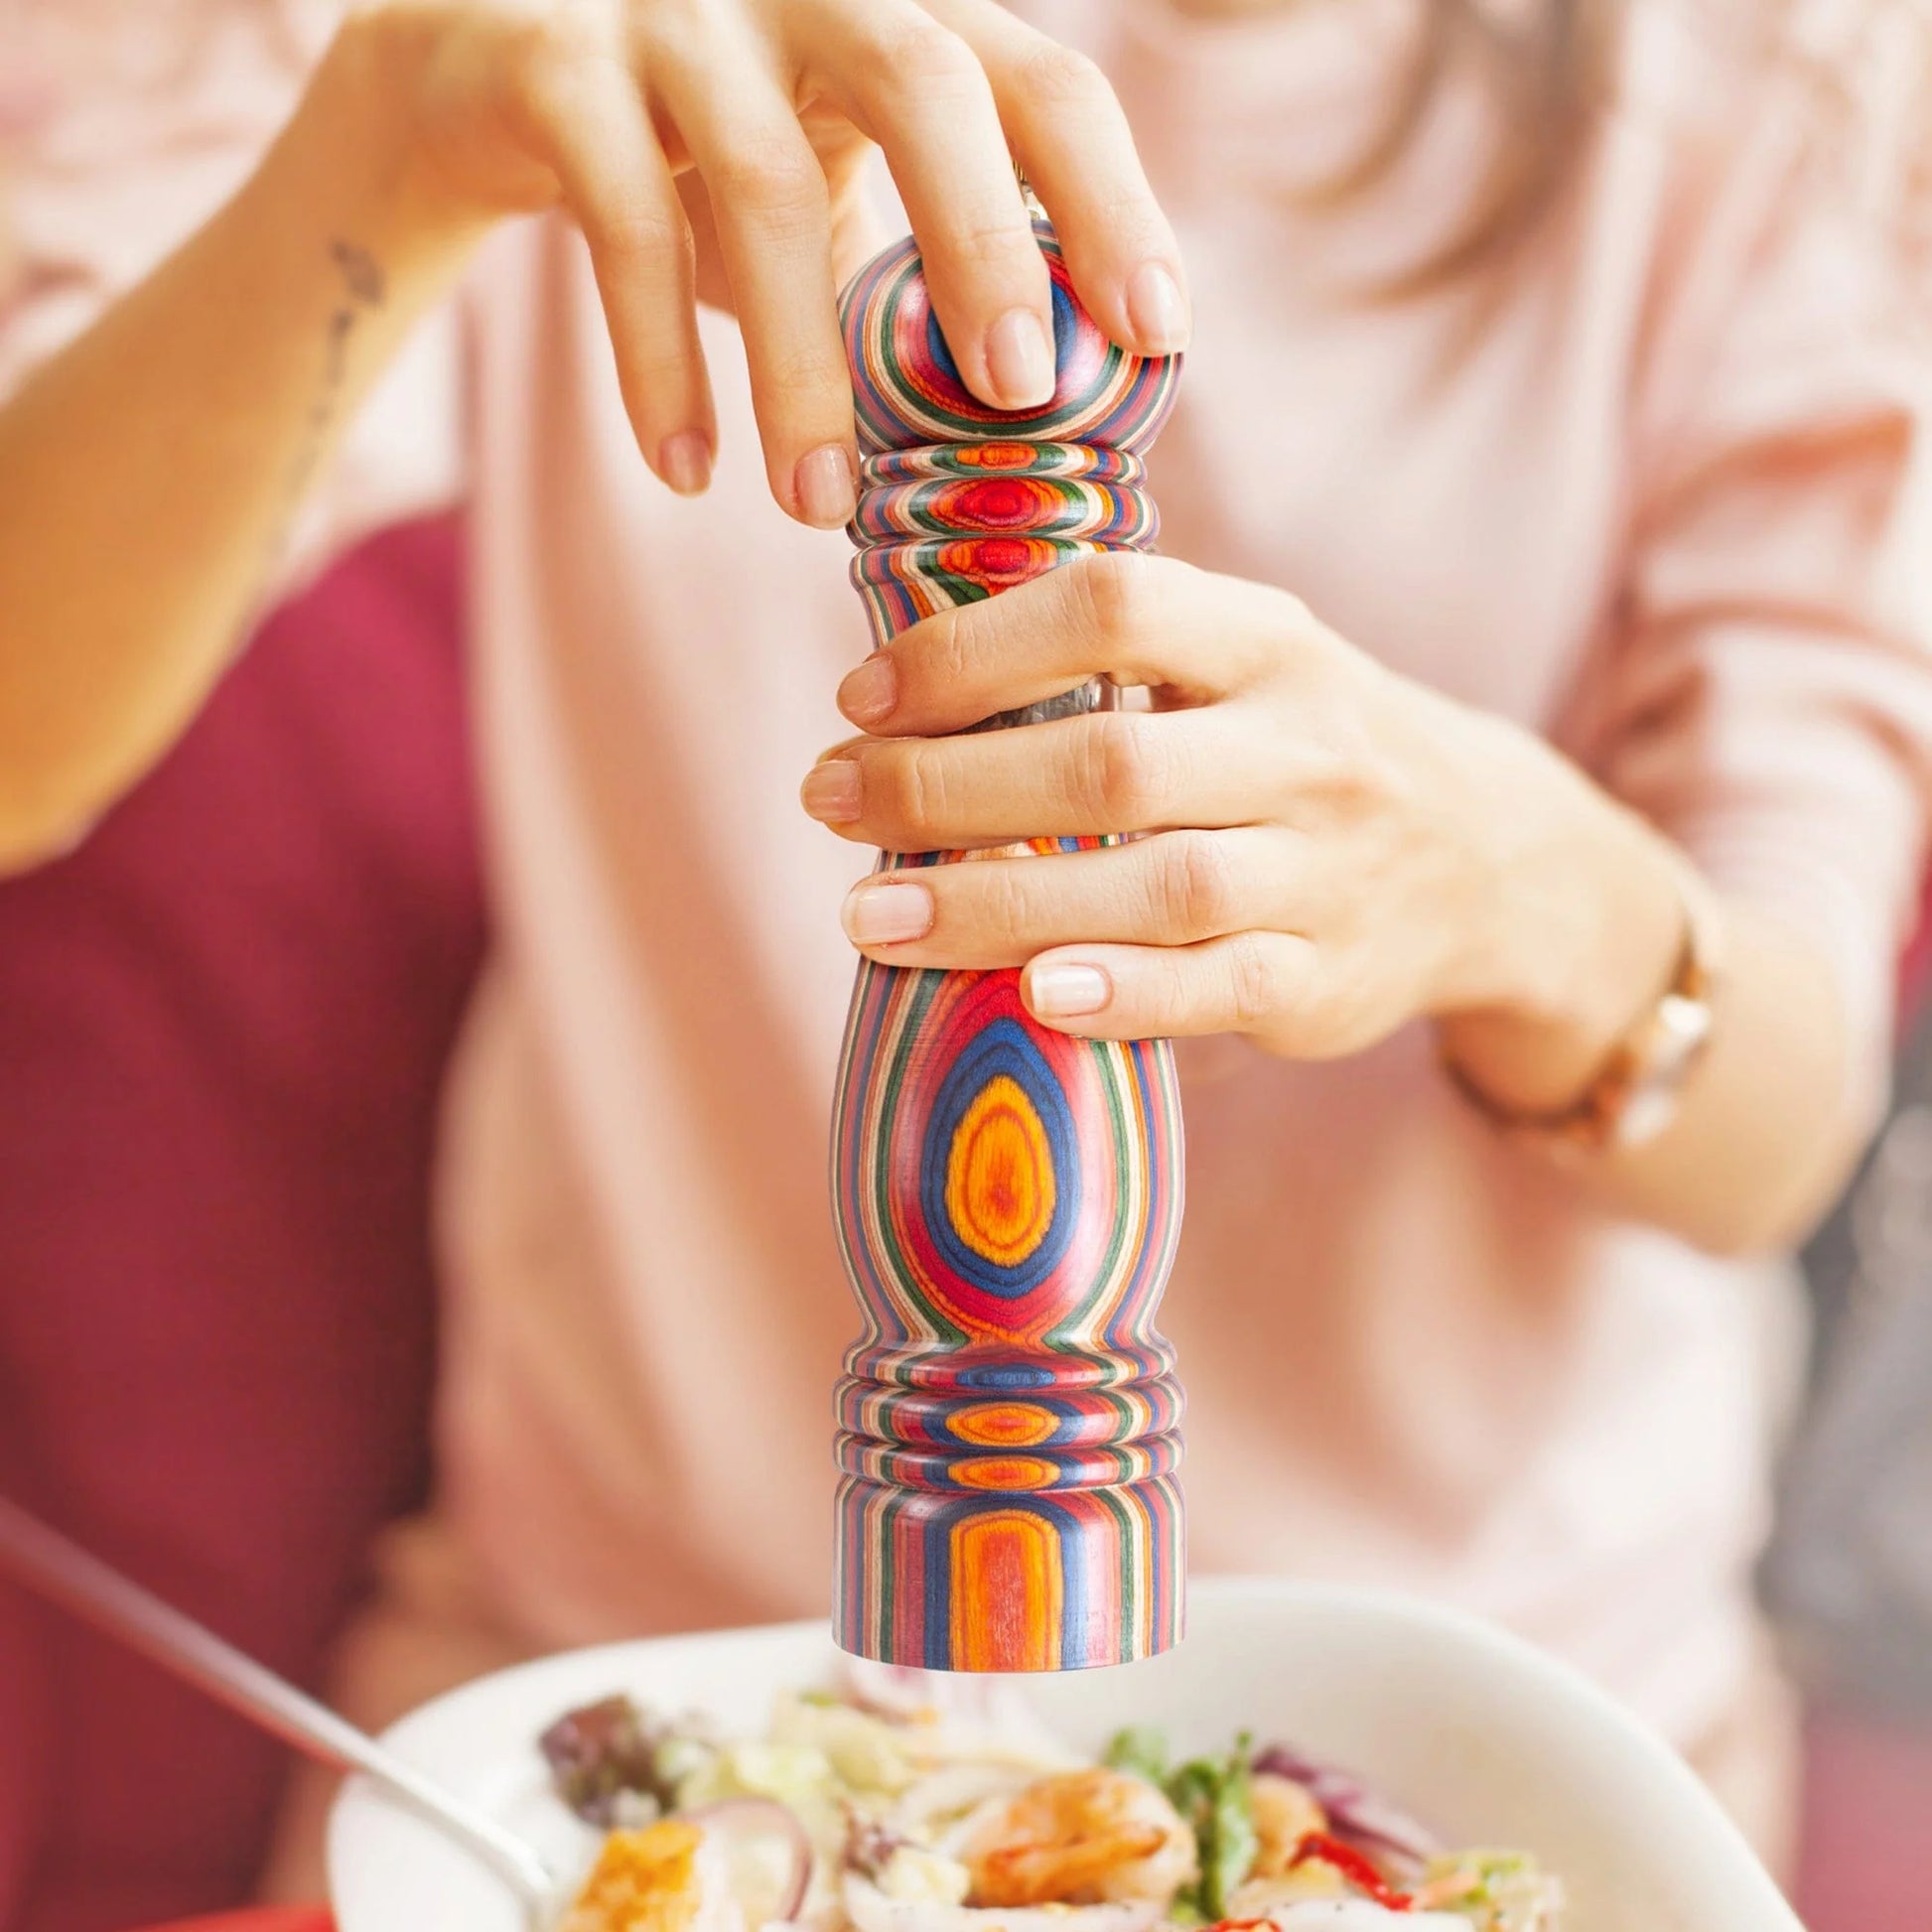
x=1850 y=1573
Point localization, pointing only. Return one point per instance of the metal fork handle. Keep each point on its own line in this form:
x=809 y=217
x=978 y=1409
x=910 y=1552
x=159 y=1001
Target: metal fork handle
x=69 y=1575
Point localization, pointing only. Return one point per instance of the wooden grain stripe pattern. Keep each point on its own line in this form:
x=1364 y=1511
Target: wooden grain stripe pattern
x=1008 y=1198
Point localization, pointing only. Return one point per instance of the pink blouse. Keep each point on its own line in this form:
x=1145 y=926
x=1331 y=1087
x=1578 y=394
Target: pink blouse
x=1659 y=492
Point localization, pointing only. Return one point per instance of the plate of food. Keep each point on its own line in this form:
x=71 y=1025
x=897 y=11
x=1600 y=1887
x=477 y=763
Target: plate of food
x=1311 y=1758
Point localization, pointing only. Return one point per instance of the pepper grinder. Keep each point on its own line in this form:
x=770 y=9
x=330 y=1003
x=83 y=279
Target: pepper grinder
x=1008 y=1198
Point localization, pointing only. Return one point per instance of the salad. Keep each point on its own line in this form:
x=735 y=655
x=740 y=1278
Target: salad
x=905 y=1803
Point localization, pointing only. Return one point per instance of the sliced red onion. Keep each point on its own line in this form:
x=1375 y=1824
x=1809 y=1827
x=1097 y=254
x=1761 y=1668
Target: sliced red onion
x=870 y=1910
x=751 y=1817
x=1356 y=1815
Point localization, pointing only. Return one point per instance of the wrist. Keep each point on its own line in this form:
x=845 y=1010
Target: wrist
x=352 y=154
x=1587 y=930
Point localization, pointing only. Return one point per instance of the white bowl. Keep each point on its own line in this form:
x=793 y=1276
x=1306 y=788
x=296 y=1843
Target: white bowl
x=1482 y=1738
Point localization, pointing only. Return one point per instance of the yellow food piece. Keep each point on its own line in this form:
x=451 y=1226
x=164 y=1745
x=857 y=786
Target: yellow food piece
x=1285 y=1812
x=643 y=1881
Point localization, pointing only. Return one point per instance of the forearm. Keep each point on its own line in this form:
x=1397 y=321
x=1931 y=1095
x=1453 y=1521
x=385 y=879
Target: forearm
x=1765 y=1136
x=148 y=471
x=1766 y=1128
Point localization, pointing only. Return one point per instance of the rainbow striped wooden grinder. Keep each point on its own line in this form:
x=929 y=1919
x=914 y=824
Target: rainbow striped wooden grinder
x=1008 y=1198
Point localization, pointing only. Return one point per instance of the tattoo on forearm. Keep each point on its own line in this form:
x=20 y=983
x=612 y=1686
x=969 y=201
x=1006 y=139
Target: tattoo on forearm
x=364 y=287
x=361 y=273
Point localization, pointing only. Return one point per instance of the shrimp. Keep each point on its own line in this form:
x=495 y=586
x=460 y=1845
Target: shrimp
x=1285 y=1812
x=1079 y=1837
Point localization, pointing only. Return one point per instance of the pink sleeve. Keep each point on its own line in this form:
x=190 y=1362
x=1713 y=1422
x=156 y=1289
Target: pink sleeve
x=1768 y=697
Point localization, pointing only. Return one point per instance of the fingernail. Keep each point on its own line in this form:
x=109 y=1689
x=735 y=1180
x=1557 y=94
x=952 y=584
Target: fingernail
x=684 y=461
x=870 y=693
x=1020 y=361
x=831 y=791
x=1158 y=310
x=827 y=493
x=1061 y=992
x=880 y=915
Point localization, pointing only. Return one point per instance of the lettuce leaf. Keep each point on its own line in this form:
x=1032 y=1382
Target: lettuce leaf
x=1214 y=1795
x=1141 y=1750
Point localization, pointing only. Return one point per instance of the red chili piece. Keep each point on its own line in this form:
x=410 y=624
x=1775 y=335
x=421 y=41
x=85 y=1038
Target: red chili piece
x=1354 y=1867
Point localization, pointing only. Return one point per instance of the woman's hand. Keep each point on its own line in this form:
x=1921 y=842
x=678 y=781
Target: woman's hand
x=1331 y=850
x=713 y=147
x=705 y=147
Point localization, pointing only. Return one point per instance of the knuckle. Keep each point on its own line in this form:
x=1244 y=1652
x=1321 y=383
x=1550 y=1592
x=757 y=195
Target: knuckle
x=946 y=661
x=1382 y=784
x=775 y=180
x=1292 y=1037
x=1253 y=986
x=676 y=33
x=1113 y=592
x=993 y=244
x=1009 y=899
x=1196 y=885
x=915 y=54
x=1329 y=1013
x=545 y=55
x=1354 y=780
x=805 y=385
x=915 y=792
x=1343 y=1021
x=1061 y=77
x=1126 y=769
x=1312 y=655
x=536 y=40
x=644 y=234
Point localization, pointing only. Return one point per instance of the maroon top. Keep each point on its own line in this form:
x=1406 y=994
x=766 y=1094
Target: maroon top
x=222 y=1026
